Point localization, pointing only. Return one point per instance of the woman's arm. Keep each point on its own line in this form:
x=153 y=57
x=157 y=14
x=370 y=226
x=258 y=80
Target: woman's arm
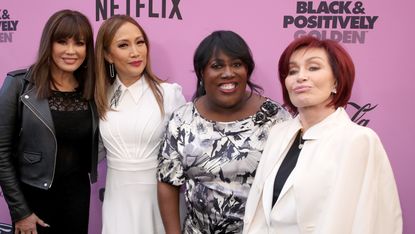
x=170 y=175
x=9 y=127
x=168 y=199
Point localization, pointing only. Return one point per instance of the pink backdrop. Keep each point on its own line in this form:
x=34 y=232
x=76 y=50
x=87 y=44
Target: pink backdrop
x=379 y=36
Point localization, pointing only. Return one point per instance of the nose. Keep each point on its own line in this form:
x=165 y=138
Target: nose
x=134 y=51
x=228 y=72
x=302 y=76
x=70 y=49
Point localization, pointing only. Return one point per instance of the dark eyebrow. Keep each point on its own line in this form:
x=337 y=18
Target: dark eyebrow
x=216 y=60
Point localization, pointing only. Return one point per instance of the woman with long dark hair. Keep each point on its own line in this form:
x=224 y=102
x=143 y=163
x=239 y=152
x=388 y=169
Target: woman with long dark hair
x=49 y=133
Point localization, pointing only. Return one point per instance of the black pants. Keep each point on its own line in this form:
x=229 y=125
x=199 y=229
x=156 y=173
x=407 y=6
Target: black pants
x=65 y=207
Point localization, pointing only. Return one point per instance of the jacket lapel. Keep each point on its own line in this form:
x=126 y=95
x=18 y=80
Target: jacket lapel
x=39 y=107
x=279 y=149
x=290 y=180
x=279 y=146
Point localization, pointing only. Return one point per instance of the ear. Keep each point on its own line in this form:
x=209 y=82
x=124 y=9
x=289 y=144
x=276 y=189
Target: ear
x=108 y=57
x=334 y=90
x=335 y=83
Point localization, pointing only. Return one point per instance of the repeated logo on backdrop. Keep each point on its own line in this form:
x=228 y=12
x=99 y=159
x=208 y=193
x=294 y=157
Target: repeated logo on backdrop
x=343 y=21
x=8 y=26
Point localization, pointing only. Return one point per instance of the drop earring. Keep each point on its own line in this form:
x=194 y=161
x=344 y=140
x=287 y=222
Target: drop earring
x=112 y=70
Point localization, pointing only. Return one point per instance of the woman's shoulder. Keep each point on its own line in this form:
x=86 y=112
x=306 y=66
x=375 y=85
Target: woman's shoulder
x=18 y=73
x=185 y=109
x=171 y=90
x=340 y=128
x=345 y=124
x=275 y=110
x=171 y=87
x=16 y=79
x=185 y=114
x=355 y=130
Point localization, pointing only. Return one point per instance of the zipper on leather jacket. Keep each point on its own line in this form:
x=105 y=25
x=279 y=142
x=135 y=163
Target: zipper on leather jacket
x=54 y=137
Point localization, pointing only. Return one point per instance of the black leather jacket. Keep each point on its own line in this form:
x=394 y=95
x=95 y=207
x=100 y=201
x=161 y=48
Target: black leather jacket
x=28 y=147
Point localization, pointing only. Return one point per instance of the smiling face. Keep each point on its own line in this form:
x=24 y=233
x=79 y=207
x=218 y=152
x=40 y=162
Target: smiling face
x=67 y=55
x=128 y=52
x=310 y=79
x=225 y=81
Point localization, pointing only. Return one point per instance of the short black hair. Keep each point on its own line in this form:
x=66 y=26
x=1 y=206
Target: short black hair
x=229 y=43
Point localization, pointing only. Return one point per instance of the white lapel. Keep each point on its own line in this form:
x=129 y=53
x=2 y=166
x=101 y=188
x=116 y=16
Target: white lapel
x=274 y=155
x=277 y=146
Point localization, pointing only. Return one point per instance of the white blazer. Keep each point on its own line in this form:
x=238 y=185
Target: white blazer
x=342 y=183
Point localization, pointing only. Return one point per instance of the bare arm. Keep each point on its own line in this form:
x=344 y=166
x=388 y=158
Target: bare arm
x=168 y=199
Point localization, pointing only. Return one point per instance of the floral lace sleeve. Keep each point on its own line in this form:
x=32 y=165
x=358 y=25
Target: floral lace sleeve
x=170 y=168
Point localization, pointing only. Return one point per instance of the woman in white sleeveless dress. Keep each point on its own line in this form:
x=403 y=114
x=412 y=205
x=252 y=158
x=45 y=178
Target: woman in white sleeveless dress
x=134 y=106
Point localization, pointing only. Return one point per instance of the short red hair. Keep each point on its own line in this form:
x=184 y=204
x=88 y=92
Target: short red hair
x=340 y=61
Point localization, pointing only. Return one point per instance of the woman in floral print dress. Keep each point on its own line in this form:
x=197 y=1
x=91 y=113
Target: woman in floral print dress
x=213 y=144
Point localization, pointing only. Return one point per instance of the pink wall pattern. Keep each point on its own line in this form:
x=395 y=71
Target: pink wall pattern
x=378 y=34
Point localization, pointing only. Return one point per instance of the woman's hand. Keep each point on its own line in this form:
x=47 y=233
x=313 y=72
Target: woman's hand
x=28 y=225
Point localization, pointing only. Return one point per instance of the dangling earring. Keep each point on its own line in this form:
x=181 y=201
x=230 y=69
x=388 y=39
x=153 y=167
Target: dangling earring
x=201 y=83
x=112 y=71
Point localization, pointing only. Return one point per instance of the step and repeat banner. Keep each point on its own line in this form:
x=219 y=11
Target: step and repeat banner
x=379 y=35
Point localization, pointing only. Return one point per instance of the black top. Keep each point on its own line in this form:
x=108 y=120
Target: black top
x=73 y=128
x=287 y=166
